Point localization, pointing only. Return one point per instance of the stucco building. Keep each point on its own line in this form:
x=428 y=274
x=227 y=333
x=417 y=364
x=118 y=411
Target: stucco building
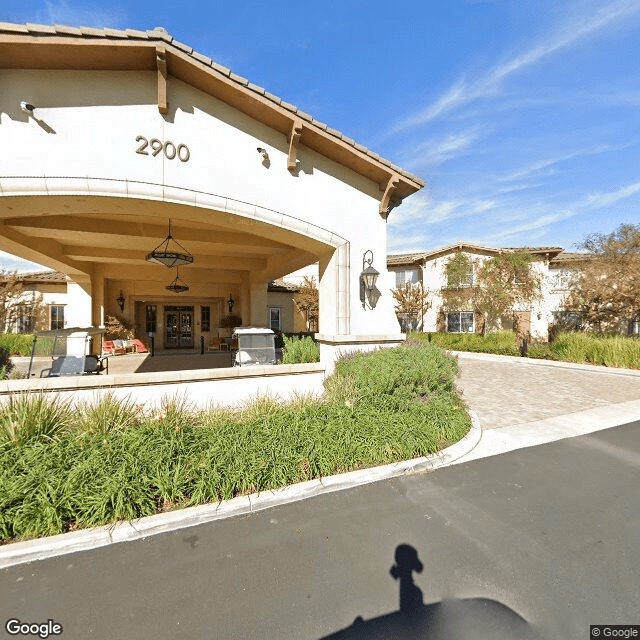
x=115 y=140
x=428 y=268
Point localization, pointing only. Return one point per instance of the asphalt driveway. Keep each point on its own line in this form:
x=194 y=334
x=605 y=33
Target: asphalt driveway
x=536 y=543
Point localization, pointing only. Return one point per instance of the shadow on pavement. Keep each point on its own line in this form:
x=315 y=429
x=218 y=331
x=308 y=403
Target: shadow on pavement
x=465 y=619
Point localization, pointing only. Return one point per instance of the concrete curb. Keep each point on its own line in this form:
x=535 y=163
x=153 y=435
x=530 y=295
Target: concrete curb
x=592 y=368
x=125 y=531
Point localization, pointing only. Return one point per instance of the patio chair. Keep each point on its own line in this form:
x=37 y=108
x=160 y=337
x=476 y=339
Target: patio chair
x=108 y=347
x=119 y=346
x=139 y=345
x=96 y=364
x=129 y=346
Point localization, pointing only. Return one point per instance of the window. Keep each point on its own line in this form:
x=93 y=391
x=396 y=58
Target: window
x=205 y=318
x=151 y=318
x=275 y=321
x=520 y=275
x=406 y=276
x=24 y=321
x=568 y=320
x=455 y=281
x=57 y=316
x=460 y=322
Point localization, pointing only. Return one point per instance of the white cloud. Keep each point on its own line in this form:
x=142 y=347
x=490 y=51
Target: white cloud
x=9 y=262
x=541 y=165
x=464 y=92
x=434 y=152
x=61 y=12
x=608 y=198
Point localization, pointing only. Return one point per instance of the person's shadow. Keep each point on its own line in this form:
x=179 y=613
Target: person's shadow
x=455 y=619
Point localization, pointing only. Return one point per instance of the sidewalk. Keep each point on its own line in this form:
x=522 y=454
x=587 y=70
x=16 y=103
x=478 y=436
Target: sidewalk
x=521 y=402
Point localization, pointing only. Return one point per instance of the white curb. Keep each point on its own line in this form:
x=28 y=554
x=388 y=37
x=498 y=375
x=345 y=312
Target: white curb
x=127 y=531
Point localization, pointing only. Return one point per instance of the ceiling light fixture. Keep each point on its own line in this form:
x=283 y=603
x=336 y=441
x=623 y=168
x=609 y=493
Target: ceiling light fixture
x=170 y=252
x=178 y=285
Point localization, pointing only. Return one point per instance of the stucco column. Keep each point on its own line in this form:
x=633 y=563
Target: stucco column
x=245 y=300
x=97 y=296
x=334 y=315
x=258 y=297
x=97 y=305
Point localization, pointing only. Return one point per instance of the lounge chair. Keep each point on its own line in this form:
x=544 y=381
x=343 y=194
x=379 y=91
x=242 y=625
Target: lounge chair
x=108 y=347
x=139 y=345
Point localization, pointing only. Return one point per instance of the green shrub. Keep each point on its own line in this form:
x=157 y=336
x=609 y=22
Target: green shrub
x=612 y=351
x=62 y=469
x=500 y=342
x=297 y=350
x=20 y=344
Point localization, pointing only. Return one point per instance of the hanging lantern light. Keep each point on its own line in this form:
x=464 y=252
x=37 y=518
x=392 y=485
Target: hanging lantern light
x=178 y=285
x=170 y=252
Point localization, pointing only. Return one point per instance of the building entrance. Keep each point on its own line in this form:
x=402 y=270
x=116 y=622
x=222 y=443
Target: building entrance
x=178 y=322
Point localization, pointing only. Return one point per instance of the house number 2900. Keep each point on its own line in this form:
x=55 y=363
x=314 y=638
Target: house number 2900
x=170 y=150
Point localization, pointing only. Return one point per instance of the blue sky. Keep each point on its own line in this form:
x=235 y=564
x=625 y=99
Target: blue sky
x=520 y=115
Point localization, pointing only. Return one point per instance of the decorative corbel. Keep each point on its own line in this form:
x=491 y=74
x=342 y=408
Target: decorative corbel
x=389 y=199
x=161 y=64
x=294 y=137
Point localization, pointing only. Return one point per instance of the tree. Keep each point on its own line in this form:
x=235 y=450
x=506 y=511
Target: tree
x=21 y=309
x=605 y=290
x=307 y=299
x=499 y=287
x=411 y=302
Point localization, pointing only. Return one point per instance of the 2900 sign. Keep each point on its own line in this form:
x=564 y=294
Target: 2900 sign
x=169 y=149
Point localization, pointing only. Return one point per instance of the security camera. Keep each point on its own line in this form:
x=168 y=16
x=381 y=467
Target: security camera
x=27 y=108
x=263 y=152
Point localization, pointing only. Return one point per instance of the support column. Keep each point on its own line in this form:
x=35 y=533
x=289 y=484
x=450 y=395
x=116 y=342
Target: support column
x=258 y=296
x=245 y=300
x=97 y=305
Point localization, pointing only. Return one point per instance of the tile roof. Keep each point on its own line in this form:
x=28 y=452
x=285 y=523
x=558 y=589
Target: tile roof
x=420 y=256
x=161 y=35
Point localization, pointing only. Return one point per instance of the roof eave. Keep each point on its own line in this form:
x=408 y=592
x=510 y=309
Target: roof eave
x=56 y=47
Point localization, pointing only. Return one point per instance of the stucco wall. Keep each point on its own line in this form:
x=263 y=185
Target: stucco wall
x=88 y=122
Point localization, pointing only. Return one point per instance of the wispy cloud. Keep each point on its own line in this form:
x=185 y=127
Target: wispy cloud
x=544 y=164
x=435 y=152
x=464 y=92
x=61 y=12
x=608 y=198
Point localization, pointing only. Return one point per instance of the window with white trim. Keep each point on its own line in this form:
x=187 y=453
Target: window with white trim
x=275 y=319
x=460 y=322
x=56 y=312
x=406 y=276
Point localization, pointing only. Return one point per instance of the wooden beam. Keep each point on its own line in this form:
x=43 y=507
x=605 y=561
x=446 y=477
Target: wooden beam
x=161 y=65
x=42 y=251
x=389 y=201
x=294 y=138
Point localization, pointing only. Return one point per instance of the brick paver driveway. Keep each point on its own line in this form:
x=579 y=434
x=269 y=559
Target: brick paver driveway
x=507 y=392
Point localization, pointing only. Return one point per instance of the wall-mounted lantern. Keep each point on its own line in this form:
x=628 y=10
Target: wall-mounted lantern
x=368 y=290
x=231 y=302
x=120 y=300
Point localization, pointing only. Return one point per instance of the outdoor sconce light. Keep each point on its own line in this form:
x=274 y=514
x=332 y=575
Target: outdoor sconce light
x=368 y=290
x=27 y=107
x=231 y=302
x=120 y=301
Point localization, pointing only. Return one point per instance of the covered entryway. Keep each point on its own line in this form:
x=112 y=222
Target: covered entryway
x=117 y=136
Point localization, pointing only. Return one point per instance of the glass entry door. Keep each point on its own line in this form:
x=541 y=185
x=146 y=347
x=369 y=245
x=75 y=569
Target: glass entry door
x=178 y=322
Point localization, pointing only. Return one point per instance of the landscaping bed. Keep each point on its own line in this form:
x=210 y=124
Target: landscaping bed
x=63 y=469
x=579 y=347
